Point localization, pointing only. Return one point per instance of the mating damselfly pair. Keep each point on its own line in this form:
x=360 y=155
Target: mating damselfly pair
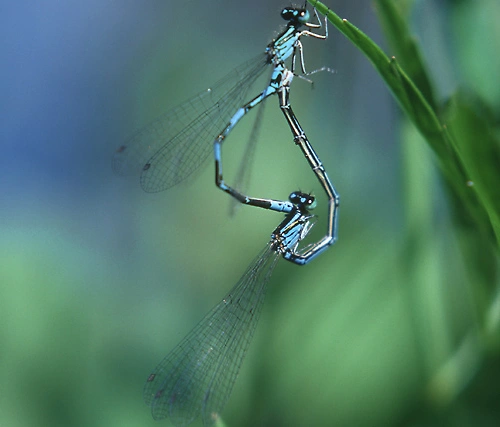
x=196 y=377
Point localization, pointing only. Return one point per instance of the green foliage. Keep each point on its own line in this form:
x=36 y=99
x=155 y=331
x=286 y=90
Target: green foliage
x=396 y=325
x=462 y=132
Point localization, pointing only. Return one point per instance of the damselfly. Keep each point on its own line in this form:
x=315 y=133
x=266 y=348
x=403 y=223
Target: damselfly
x=174 y=145
x=197 y=376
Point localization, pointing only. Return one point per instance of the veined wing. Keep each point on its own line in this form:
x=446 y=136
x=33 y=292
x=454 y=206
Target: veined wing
x=175 y=144
x=197 y=377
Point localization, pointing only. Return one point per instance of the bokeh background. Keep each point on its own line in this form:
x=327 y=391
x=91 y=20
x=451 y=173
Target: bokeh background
x=99 y=280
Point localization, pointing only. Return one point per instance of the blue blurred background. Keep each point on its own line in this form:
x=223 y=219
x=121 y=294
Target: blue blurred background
x=99 y=280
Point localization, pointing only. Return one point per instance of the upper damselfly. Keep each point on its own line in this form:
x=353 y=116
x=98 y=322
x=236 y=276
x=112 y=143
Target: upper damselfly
x=174 y=145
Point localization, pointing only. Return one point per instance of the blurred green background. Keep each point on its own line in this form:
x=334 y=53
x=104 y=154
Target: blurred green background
x=99 y=280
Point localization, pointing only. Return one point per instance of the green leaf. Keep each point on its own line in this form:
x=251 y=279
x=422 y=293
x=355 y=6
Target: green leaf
x=415 y=97
x=404 y=45
x=471 y=124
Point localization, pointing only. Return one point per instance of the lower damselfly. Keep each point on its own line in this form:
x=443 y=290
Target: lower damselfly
x=196 y=378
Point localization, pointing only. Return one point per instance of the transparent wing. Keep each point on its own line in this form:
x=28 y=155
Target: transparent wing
x=197 y=376
x=243 y=176
x=174 y=145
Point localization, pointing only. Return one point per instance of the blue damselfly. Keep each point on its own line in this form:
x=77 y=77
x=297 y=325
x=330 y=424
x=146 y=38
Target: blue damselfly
x=196 y=378
x=174 y=145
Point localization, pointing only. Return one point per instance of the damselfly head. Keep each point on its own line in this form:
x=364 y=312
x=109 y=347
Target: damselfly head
x=295 y=15
x=304 y=201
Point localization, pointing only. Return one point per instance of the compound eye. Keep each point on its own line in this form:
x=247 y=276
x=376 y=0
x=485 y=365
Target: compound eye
x=311 y=203
x=303 y=16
